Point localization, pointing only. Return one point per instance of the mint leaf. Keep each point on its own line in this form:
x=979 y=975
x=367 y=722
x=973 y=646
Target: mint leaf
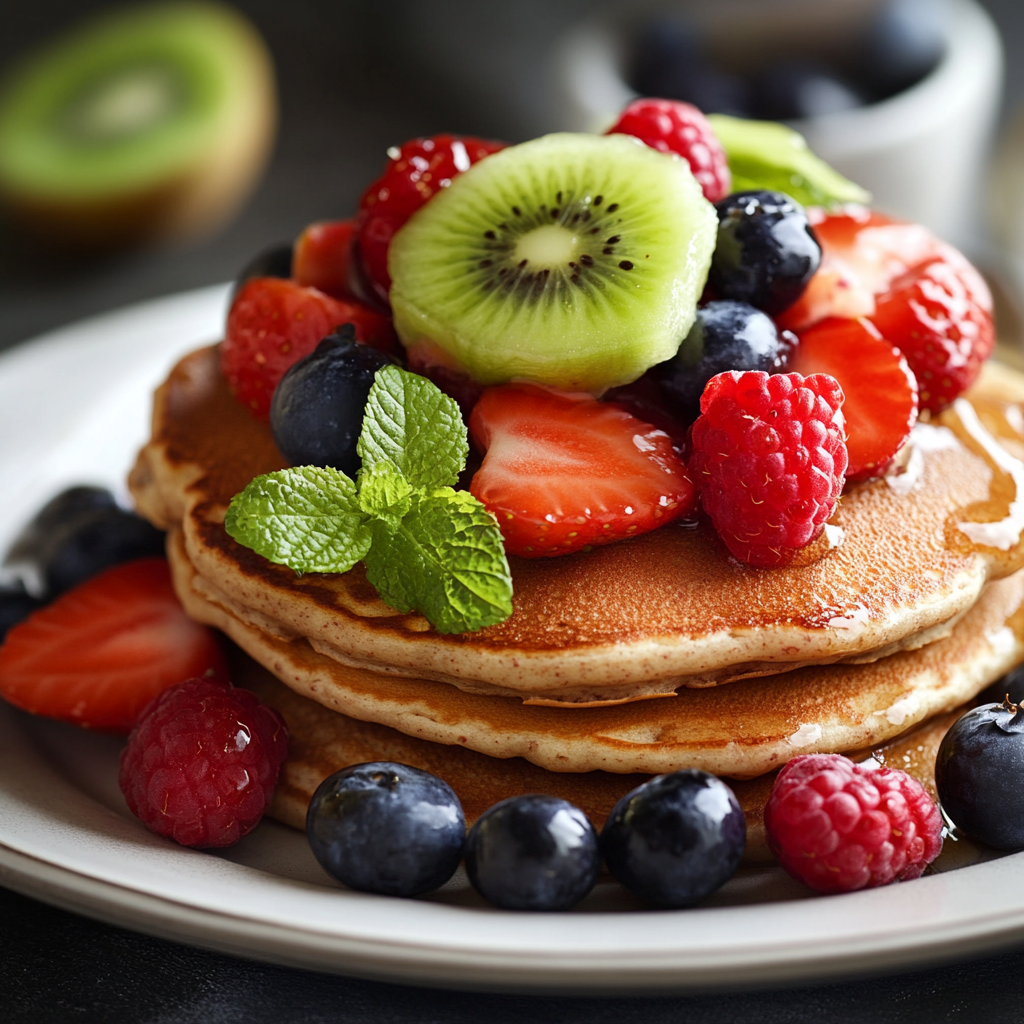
x=446 y=560
x=410 y=423
x=766 y=155
x=384 y=492
x=306 y=518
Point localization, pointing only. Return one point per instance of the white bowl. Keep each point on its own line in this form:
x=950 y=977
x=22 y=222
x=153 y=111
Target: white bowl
x=922 y=153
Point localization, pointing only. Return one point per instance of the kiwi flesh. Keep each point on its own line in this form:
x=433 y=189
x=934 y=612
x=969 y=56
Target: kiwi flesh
x=151 y=122
x=572 y=260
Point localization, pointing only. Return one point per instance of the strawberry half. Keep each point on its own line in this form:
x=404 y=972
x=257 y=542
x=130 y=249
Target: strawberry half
x=881 y=393
x=563 y=472
x=922 y=294
x=322 y=257
x=102 y=651
x=937 y=318
x=273 y=323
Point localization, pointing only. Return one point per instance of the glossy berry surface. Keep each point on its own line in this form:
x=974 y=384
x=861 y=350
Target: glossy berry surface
x=725 y=336
x=317 y=411
x=769 y=459
x=201 y=765
x=386 y=828
x=946 y=334
x=323 y=257
x=273 y=323
x=675 y=839
x=978 y=771
x=670 y=126
x=881 y=392
x=276 y=261
x=98 y=654
x=562 y=472
x=415 y=172
x=766 y=251
x=921 y=294
x=837 y=826
x=533 y=853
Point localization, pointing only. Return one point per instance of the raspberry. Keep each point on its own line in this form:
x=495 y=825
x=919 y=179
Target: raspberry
x=837 y=826
x=416 y=171
x=201 y=765
x=769 y=459
x=673 y=127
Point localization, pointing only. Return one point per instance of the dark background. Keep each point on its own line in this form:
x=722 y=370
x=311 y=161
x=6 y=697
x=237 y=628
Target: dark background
x=355 y=78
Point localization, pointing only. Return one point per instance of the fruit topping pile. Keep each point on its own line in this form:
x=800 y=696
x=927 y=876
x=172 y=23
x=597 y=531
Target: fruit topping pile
x=579 y=298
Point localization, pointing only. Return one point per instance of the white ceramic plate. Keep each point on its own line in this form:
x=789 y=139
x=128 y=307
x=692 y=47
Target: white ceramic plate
x=73 y=408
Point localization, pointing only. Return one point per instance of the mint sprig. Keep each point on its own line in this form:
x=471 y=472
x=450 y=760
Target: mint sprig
x=426 y=547
x=767 y=155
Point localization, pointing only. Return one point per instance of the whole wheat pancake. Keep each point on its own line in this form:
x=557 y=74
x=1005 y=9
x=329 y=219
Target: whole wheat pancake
x=322 y=741
x=635 y=619
x=742 y=730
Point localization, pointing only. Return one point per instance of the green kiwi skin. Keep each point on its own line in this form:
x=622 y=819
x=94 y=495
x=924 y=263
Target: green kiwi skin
x=174 y=192
x=632 y=318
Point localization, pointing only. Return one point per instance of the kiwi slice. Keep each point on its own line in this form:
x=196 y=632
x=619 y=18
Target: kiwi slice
x=573 y=260
x=153 y=121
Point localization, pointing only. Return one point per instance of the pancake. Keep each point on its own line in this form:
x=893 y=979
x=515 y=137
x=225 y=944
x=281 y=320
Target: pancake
x=741 y=730
x=322 y=741
x=637 y=619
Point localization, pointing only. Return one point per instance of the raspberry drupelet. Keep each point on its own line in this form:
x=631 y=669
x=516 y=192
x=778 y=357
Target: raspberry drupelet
x=838 y=826
x=201 y=765
x=769 y=458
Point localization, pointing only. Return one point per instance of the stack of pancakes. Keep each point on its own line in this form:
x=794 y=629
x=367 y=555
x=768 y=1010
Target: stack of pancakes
x=642 y=657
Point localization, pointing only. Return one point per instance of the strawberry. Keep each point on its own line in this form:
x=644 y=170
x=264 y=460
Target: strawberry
x=881 y=392
x=922 y=294
x=934 y=315
x=322 y=255
x=563 y=472
x=416 y=171
x=273 y=323
x=102 y=651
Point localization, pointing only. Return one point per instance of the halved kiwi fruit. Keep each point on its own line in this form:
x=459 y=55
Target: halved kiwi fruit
x=152 y=121
x=572 y=260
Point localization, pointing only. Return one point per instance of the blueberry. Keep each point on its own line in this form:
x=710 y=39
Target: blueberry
x=66 y=508
x=1010 y=685
x=675 y=839
x=978 y=772
x=80 y=533
x=766 y=251
x=15 y=605
x=533 y=853
x=725 y=335
x=904 y=43
x=797 y=89
x=273 y=262
x=386 y=828
x=316 y=413
x=669 y=62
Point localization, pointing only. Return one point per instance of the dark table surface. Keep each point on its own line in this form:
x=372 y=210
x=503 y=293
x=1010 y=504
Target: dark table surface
x=351 y=85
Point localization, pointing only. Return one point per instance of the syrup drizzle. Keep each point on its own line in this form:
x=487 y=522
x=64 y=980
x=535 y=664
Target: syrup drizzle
x=1004 y=533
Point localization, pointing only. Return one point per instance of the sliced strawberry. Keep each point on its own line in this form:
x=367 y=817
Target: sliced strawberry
x=922 y=294
x=862 y=252
x=936 y=317
x=881 y=393
x=273 y=323
x=322 y=256
x=562 y=472
x=102 y=651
